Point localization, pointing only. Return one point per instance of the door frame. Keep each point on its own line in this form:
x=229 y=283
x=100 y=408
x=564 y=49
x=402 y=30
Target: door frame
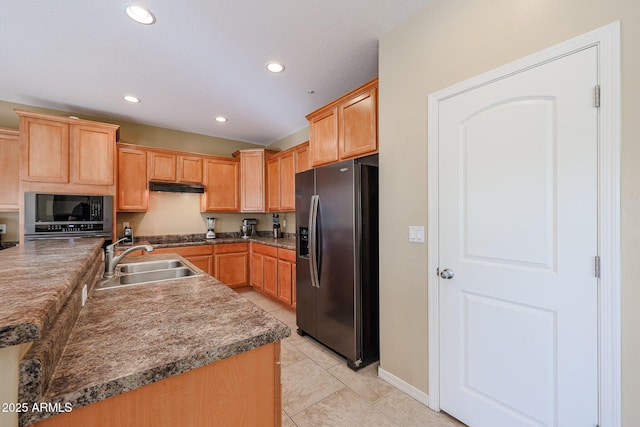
x=607 y=39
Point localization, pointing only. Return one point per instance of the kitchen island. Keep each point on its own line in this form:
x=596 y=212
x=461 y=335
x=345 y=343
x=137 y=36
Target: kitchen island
x=166 y=353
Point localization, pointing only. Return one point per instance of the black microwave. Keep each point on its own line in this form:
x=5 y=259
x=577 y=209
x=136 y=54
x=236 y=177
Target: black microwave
x=48 y=216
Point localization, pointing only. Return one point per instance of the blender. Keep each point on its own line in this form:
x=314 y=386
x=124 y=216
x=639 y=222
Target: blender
x=211 y=222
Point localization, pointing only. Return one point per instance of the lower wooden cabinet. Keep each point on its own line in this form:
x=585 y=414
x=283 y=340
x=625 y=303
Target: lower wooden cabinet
x=242 y=390
x=231 y=264
x=273 y=272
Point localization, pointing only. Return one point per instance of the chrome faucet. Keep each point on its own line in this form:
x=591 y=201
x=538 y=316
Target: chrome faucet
x=110 y=261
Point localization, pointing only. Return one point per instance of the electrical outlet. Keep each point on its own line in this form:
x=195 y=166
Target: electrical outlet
x=3 y=228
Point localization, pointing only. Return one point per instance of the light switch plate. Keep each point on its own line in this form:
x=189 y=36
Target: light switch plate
x=416 y=233
x=3 y=228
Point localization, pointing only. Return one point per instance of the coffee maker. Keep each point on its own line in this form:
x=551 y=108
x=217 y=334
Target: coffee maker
x=277 y=233
x=211 y=223
x=248 y=227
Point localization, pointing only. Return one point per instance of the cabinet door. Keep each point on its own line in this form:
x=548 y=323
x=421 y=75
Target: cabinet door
x=302 y=158
x=133 y=192
x=270 y=275
x=190 y=169
x=221 y=182
x=232 y=269
x=256 y=271
x=358 y=125
x=203 y=262
x=162 y=166
x=93 y=155
x=323 y=138
x=252 y=180
x=45 y=150
x=9 y=170
x=284 y=281
x=273 y=184
x=287 y=182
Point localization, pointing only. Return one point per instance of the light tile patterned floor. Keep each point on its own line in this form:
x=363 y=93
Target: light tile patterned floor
x=318 y=389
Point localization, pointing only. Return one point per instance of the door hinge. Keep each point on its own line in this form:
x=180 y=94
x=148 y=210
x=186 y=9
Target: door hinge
x=597 y=266
x=596 y=96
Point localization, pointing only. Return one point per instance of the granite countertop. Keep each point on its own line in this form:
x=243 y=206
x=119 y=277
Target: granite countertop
x=128 y=337
x=168 y=241
x=36 y=280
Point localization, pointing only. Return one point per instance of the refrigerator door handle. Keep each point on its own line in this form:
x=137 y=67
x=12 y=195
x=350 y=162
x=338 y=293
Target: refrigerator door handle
x=313 y=236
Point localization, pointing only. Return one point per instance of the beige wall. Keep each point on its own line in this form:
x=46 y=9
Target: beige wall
x=447 y=42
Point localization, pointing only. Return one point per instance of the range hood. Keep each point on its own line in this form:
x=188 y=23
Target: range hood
x=172 y=187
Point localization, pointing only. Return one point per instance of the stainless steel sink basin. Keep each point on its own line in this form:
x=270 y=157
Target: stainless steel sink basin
x=139 y=267
x=149 y=272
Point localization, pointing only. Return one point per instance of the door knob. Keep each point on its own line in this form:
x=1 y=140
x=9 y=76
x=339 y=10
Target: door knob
x=447 y=273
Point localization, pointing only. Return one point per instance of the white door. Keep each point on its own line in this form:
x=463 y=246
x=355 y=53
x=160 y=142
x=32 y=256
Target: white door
x=518 y=229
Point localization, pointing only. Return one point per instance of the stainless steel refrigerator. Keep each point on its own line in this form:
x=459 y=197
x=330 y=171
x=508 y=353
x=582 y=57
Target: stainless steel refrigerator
x=337 y=258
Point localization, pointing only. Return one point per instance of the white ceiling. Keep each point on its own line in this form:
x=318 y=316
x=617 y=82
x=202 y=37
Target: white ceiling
x=201 y=59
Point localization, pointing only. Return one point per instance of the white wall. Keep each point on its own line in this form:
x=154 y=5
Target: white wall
x=446 y=42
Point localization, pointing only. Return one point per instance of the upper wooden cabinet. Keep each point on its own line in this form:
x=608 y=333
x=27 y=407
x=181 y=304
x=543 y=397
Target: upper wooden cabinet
x=9 y=170
x=67 y=151
x=252 y=179
x=133 y=187
x=281 y=173
x=346 y=128
x=221 y=180
x=171 y=166
x=303 y=162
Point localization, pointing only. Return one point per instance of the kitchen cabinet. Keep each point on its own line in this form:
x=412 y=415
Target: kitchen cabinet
x=345 y=128
x=63 y=150
x=201 y=255
x=273 y=273
x=216 y=394
x=9 y=170
x=133 y=186
x=281 y=172
x=162 y=166
x=252 y=180
x=171 y=166
x=231 y=264
x=303 y=162
x=264 y=269
x=221 y=180
x=287 y=277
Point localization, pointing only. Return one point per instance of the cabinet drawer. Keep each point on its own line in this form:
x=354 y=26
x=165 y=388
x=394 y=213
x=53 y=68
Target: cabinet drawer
x=287 y=255
x=265 y=250
x=226 y=248
x=186 y=250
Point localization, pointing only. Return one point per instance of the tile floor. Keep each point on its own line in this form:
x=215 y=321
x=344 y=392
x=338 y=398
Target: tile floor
x=318 y=389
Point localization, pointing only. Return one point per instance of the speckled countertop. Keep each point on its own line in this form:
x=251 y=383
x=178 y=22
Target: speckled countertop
x=167 y=241
x=125 y=337
x=36 y=280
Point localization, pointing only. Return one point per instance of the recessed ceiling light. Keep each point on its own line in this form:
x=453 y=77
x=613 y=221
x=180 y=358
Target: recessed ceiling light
x=140 y=14
x=131 y=99
x=275 y=67
x=221 y=119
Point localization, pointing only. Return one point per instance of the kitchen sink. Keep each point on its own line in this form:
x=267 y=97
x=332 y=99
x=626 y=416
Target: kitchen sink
x=139 y=267
x=140 y=273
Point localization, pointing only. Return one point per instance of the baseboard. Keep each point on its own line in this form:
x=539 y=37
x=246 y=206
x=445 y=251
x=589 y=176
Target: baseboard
x=402 y=385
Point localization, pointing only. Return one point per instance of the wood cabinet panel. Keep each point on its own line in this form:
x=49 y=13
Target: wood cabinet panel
x=270 y=275
x=232 y=269
x=187 y=251
x=256 y=271
x=203 y=262
x=190 y=169
x=323 y=138
x=287 y=182
x=252 y=180
x=45 y=150
x=243 y=390
x=162 y=166
x=303 y=162
x=287 y=276
x=221 y=179
x=133 y=187
x=273 y=184
x=94 y=155
x=226 y=248
x=9 y=169
x=358 y=132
